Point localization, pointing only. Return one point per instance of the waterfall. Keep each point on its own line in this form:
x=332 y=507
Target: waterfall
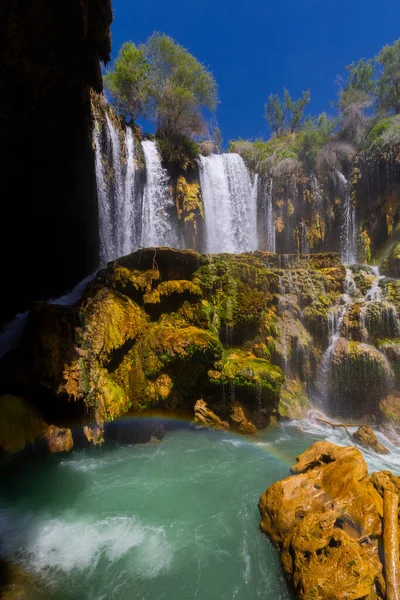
x=229 y=204
x=377 y=318
x=118 y=200
x=131 y=210
x=270 y=225
x=304 y=245
x=348 y=236
x=107 y=251
x=116 y=187
x=157 y=223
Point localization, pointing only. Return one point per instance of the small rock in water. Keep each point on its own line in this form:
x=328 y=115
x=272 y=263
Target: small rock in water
x=241 y=423
x=58 y=439
x=205 y=416
x=366 y=437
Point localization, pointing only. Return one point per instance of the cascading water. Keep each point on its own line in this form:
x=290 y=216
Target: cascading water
x=304 y=245
x=107 y=250
x=377 y=317
x=129 y=235
x=118 y=199
x=270 y=219
x=229 y=204
x=116 y=188
x=348 y=235
x=157 y=221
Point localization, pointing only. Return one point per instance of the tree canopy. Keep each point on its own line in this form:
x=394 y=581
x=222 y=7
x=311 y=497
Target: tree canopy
x=129 y=82
x=388 y=85
x=163 y=82
x=287 y=115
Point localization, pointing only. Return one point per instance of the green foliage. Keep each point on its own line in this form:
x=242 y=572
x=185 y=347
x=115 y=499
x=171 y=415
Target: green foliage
x=360 y=85
x=128 y=82
x=179 y=149
x=383 y=137
x=388 y=85
x=275 y=115
x=285 y=116
x=181 y=86
x=316 y=133
x=163 y=82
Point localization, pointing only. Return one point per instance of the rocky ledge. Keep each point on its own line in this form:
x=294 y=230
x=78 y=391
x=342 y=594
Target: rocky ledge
x=163 y=329
x=336 y=527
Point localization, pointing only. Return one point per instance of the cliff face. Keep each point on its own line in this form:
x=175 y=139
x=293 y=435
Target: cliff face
x=50 y=61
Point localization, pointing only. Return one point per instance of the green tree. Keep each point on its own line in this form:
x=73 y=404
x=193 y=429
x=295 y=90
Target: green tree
x=295 y=110
x=360 y=85
x=275 y=114
x=287 y=115
x=388 y=85
x=181 y=87
x=316 y=133
x=128 y=82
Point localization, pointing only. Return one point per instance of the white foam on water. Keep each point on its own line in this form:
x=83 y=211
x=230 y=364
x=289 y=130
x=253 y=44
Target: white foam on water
x=40 y=543
x=375 y=462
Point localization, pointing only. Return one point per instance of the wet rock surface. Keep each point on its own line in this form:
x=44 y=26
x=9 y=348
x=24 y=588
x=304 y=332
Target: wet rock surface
x=159 y=328
x=327 y=521
x=367 y=438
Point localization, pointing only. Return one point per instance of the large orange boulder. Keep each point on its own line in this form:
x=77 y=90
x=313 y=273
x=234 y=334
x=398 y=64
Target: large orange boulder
x=326 y=521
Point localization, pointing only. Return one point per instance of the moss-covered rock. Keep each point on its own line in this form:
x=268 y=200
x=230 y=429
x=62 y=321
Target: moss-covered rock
x=20 y=423
x=391 y=263
x=161 y=327
x=293 y=400
x=361 y=377
x=190 y=208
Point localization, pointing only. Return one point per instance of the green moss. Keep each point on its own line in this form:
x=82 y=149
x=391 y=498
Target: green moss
x=111 y=319
x=249 y=375
x=20 y=423
x=163 y=345
x=293 y=399
x=179 y=150
x=166 y=288
x=391 y=263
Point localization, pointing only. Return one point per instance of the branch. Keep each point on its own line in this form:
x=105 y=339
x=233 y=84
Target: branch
x=336 y=425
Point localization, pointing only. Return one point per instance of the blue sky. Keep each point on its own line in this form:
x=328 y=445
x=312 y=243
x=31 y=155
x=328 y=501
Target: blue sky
x=256 y=47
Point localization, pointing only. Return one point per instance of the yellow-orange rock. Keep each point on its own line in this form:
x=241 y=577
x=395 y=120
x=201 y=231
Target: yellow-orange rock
x=205 y=416
x=58 y=439
x=240 y=422
x=326 y=520
x=367 y=438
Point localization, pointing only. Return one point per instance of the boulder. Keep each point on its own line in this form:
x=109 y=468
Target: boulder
x=361 y=377
x=326 y=521
x=20 y=423
x=205 y=416
x=240 y=422
x=391 y=263
x=58 y=439
x=367 y=438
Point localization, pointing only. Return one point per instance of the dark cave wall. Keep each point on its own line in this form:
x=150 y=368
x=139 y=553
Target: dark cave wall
x=50 y=54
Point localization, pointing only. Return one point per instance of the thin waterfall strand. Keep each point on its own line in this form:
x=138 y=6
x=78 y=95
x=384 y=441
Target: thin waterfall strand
x=157 y=222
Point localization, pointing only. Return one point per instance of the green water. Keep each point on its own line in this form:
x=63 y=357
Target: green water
x=176 y=520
